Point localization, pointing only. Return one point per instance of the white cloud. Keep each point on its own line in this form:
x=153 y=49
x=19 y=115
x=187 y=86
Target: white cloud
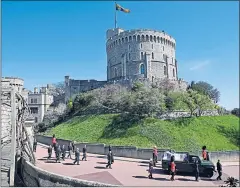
x=199 y=65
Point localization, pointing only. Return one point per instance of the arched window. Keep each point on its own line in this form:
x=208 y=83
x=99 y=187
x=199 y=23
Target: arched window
x=142 y=37
x=152 y=46
x=122 y=40
x=154 y=38
x=116 y=42
x=126 y=39
x=119 y=41
x=115 y=72
x=134 y=38
x=163 y=48
x=129 y=56
x=142 y=69
x=138 y=38
x=130 y=38
x=151 y=38
x=161 y=40
x=129 y=47
x=152 y=55
x=152 y=78
x=142 y=57
x=141 y=46
x=173 y=73
x=158 y=39
x=147 y=38
x=165 y=70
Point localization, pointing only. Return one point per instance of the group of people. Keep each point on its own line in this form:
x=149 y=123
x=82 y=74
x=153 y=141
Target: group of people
x=61 y=151
x=172 y=165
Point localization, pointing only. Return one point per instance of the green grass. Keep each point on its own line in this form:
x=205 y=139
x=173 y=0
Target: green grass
x=185 y=134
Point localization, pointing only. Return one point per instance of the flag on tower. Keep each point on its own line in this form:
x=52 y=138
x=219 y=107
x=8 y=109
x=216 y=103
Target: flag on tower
x=118 y=7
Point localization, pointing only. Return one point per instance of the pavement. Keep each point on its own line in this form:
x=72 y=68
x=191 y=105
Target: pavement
x=125 y=171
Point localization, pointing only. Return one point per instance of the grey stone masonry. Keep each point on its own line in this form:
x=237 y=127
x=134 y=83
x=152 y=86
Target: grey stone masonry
x=146 y=53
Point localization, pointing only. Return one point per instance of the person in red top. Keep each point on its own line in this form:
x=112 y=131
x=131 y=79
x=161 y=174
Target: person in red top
x=155 y=154
x=172 y=168
x=54 y=142
x=204 y=153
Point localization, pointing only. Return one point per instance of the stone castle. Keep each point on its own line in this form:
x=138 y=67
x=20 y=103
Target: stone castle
x=134 y=55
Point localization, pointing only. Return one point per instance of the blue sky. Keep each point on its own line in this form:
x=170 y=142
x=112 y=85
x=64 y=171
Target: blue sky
x=44 y=41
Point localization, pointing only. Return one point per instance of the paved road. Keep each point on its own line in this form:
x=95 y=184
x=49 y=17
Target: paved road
x=125 y=171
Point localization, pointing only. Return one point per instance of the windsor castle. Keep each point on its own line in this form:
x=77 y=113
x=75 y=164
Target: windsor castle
x=134 y=55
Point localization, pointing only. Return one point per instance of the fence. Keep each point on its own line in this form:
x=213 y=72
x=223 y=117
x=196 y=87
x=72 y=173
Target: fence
x=134 y=152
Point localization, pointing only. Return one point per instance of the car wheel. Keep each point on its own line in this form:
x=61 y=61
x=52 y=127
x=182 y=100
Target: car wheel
x=209 y=173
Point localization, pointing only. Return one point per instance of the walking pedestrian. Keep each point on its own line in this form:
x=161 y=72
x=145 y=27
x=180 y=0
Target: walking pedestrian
x=84 y=153
x=73 y=146
x=196 y=169
x=109 y=148
x=63 y=150
x=77 y=157
x=70 y=150
x=34 y=145
x=49 y=151
x=172 y=169
x=155 y=154
x=58 y=153
x=150 y=169
x=54 y=142
x=219 y=169
x=110 y=159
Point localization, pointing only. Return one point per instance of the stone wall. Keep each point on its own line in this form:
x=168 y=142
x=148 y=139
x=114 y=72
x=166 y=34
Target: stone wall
x=134 y=152
x=36 y=177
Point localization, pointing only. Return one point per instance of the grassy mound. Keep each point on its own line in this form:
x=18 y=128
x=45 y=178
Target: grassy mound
x=185 y=134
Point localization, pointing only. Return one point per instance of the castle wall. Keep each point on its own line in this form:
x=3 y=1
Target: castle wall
x=127 y=50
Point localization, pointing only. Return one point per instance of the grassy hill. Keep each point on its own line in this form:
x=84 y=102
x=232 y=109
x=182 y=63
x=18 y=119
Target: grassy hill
x=185 y=134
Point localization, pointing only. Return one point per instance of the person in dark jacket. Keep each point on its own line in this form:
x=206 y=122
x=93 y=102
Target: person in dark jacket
x=109 y=148
x=110 y=159
x=58 y=153
x=196 y=169
x=49 y=151
x=63 y=150
x=77 y=156
x=219 y=169
x=84 y=153
x=34 y=145
x=73 y=146
x=70 y=150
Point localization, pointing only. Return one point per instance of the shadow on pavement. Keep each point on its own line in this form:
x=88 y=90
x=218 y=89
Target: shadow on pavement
x=143 y=165
x=50 y=161
x=145 y=177
x=67 y=163
x=102 y=163
x=100 y=167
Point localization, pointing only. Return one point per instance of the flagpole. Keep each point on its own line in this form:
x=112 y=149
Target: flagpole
x=115 y=23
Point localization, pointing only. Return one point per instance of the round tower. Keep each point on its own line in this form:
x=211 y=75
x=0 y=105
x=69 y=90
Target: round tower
x=140 y=53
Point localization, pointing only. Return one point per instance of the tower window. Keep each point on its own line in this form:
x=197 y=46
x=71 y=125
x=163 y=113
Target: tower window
x=152 y=46
x=165 y=70
x=152 y=55
x=173 y=73
x=152 y=78
x=115 y=72
x=129 y=47
x=141 y=55
x=142 y=69
x=163 y=48
x=129 y=56
x=141 y=46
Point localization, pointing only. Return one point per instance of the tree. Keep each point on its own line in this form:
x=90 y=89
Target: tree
x=206 y=89
x=54 y=113
x=235 y=112
x=169 y=103
x=189 y=101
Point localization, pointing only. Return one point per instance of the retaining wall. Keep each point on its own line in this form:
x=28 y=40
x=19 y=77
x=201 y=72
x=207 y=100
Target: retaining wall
x=134 y=152
x=36 y=177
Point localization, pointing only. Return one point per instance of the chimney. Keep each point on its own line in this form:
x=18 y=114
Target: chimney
x=35 y=90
